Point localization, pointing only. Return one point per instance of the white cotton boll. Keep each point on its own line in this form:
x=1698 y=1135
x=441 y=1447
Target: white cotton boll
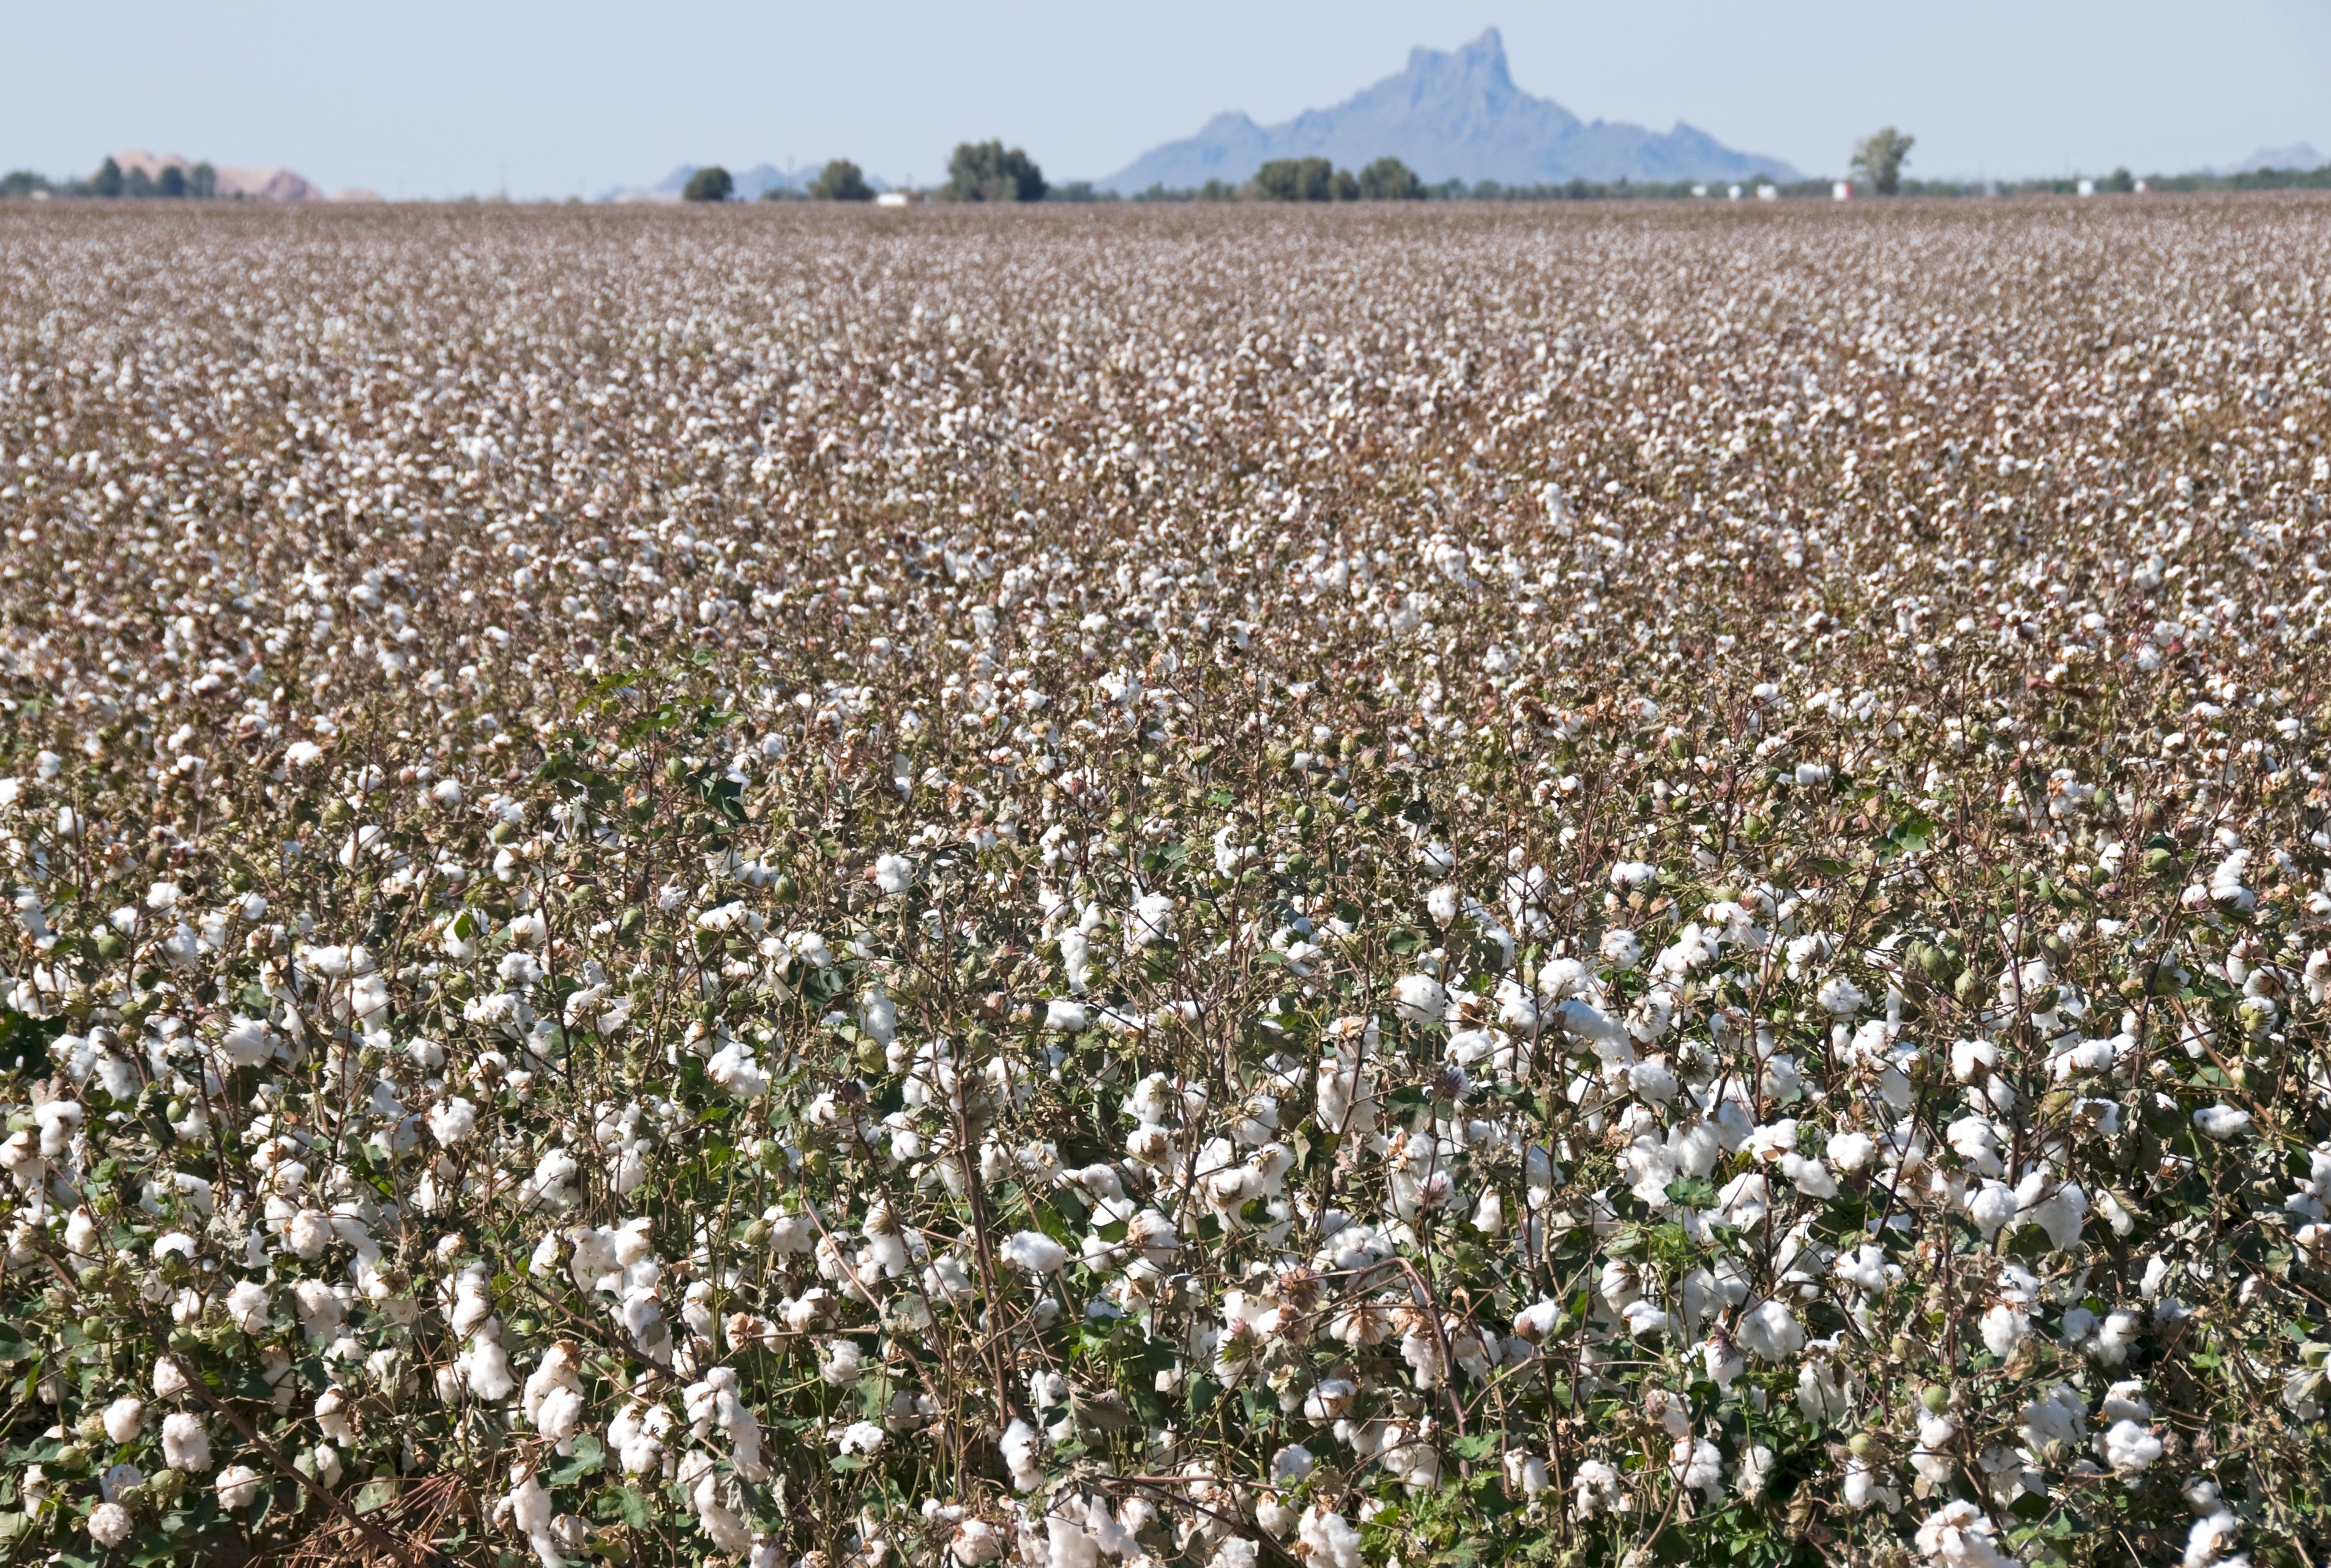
x=1291 y=1465
x=2222 y=1122
x=1654 y=1079
x=238 y=1487
x=1810 y=1177
x=185 y=1446
x=1841 y=996
x=125 y=1418
x=247 y=1304
x=1332 y=1541
x=843 y=1364
x=1444 y=902
x=2116 y=1337
x=1632 y=876
x=1034 y=1251
x=110 y=1524
x=2130 y=1448
x=2211 y=1537
x=1958 y=1536
x=244 y=1041
x=1420 y=998
x=733 y=1068
x=1863 y=1266
x=452 y=1119
x=1771 y=1332
x=1698 y=1466
x=893 y=873
x=1064 y=1017
x=726 y=1527
x=1622 y=949
x=486 y=1369
x=1067 y=1545
x=1861 y=1487
x=977 y=1541
x=1019 y=1451
x=2005 y=1326
x=1851 y=1151
x=1991 y=1206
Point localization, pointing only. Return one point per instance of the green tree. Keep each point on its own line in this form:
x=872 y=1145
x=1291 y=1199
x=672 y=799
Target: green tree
x=1390 y=180
x=2120 y=181
x=201 y=181
x=1880 y=156
x=106 y=180
x=987 y=171
x=171 y=182
x=1296 y=180
x=21 y=183
x=708 y=184
x=840 y=181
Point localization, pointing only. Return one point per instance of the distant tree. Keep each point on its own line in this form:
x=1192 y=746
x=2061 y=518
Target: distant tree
x=201 y=181
x=137 y=182
x=1343 y=187
x=23 y=183
x=1390 y=180
x=1080 y=192
x=171 y=182
x=987 y=171
x=1880 y=156
x=708 y=184
x=840 y=181
x=1296 y=180
x=1217 y=191
x=1489 y=191
x=106 y=180
x=2120 y=181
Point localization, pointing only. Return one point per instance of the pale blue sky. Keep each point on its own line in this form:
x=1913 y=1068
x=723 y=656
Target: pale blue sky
x=435 y=98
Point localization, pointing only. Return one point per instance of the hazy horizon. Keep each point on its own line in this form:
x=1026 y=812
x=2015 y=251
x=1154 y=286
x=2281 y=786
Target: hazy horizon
x=439 y=101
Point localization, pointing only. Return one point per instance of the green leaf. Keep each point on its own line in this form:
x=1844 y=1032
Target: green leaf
x=1474 y=1445
x=589 y=1459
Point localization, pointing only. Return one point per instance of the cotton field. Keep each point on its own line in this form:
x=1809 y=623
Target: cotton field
x=1205 y=887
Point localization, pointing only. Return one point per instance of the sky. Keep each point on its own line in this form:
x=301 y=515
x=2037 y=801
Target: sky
x=438 y=98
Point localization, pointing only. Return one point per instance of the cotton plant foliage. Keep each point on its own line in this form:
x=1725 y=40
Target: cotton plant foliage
x=1189 y=887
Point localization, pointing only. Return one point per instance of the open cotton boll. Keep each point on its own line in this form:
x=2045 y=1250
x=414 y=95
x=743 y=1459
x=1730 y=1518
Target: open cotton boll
x=124 y=1419
x=2223 y=1122
x=1420 y=998
x=185 y=1444
x=238 y=1487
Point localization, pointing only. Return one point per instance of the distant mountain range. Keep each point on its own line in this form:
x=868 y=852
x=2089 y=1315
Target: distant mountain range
x=1451 y=115
x=251 y=185
x=2297 y=155
x=752 y=183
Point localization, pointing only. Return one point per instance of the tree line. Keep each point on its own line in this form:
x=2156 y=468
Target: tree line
x=198 y=183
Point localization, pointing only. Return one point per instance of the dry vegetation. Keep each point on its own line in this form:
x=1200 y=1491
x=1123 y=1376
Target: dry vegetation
x=1203 y=887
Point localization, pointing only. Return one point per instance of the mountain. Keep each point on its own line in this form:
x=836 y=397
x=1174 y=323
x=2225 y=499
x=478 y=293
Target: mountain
x=251 y=185
x=2297 y=156
x=1451 y=115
